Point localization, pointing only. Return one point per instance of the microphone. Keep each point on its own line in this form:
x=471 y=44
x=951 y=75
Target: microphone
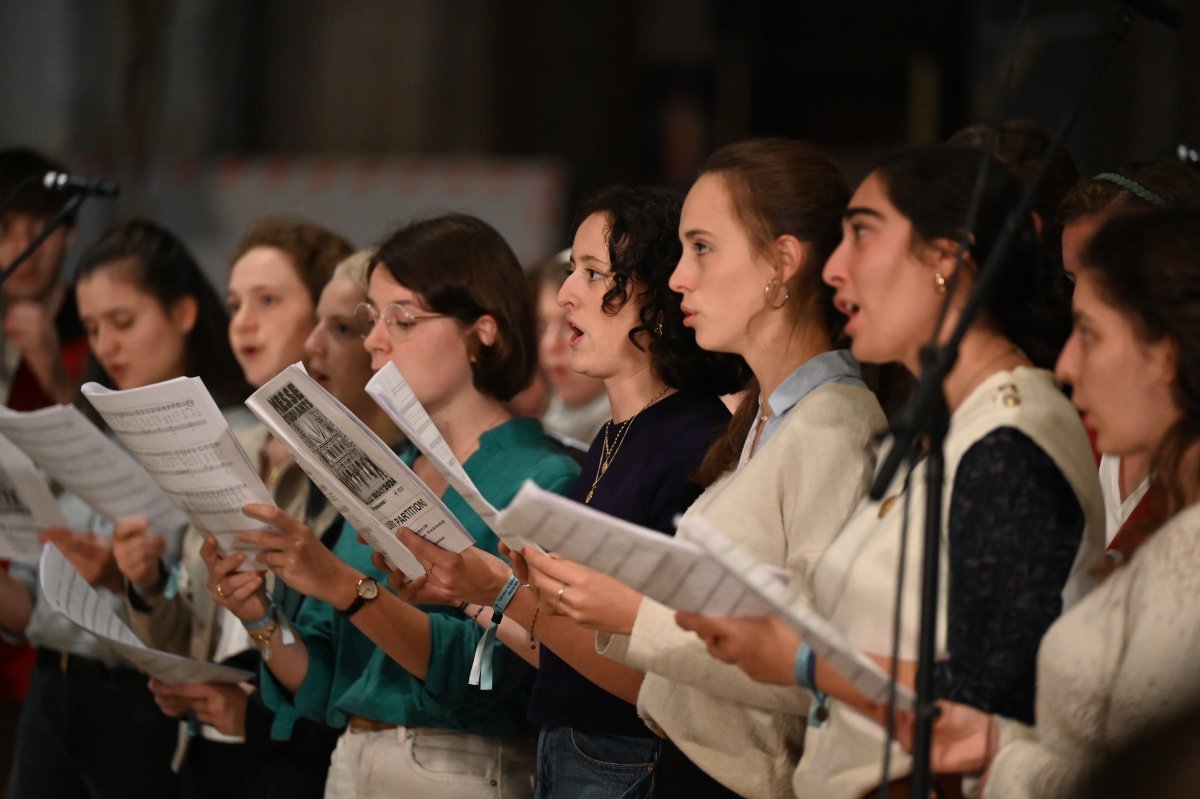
x=80 y=184
x=1156 y=10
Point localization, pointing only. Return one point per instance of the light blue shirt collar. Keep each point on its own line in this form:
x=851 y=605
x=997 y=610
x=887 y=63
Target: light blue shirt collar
x=835 y=366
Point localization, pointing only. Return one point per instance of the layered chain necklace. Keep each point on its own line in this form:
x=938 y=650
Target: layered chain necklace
x=609 y=450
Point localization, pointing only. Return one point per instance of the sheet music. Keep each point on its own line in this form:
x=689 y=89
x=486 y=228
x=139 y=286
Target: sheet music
x=671 y=571
x=363 y=478
x=392 y=393
x=69 y=594
x=26 y=506
x=177 y=433
x=825 y=639
x=72 y=450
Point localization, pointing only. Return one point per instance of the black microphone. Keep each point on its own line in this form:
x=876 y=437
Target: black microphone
x=1156 y=10
x=80 y=184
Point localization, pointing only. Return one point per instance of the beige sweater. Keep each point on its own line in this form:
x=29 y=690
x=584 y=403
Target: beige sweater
x=855 y=583
x=1122 y=659
x=784 y=507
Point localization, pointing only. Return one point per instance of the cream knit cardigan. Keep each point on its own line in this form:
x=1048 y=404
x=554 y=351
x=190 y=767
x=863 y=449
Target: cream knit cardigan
x=783 y=507
x=1119 y=661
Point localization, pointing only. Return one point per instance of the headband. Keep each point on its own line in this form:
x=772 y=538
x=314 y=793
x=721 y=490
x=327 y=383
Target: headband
x=1133 y=187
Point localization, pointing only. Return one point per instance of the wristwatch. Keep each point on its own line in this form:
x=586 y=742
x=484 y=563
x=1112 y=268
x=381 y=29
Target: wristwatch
x=367 y=590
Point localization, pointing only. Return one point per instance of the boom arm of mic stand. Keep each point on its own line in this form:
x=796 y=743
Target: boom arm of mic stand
x=69 y=207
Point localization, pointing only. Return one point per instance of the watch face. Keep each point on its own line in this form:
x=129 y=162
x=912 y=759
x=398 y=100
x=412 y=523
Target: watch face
x=368 y=588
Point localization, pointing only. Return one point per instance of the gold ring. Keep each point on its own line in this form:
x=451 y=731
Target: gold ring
x=561 y=588
x=221 y=591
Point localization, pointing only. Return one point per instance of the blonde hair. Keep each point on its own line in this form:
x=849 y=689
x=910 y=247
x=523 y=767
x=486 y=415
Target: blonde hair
x=355 y=268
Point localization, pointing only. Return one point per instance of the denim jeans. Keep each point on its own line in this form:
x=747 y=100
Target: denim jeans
x=579 y=765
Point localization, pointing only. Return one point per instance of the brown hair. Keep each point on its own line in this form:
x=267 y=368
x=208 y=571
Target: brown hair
x=461 y=267
x=1021 y=145
x=313 y=250
x=1147 y=266
x=781 y=187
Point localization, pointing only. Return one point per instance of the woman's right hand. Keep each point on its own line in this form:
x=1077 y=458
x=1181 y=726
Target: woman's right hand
x=243 y=593
x=473 y=575
x=138 y=553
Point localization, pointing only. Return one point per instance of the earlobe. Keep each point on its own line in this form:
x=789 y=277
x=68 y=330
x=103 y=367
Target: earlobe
x=1164 y=361
x=789 y=253
x=486 y=330
x=185 y=312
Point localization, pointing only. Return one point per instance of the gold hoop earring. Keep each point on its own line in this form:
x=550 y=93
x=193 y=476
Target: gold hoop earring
x=770 y=293
x=939 y=282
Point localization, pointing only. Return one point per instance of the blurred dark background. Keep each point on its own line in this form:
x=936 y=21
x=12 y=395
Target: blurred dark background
x=575 y=94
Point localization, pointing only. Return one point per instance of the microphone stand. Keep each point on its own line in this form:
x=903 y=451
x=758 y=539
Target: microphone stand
x=927 y=417
x=69 y=207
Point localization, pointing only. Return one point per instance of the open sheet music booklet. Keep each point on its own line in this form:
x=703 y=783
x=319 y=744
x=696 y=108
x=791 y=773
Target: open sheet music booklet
x=363 y=478
x=177 y=433
x=68 y=593
x=26 y=506
x=67 y=446
x=704 y=573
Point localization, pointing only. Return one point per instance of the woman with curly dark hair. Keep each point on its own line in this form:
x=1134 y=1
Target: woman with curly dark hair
x=756 y=228
x=627 y=330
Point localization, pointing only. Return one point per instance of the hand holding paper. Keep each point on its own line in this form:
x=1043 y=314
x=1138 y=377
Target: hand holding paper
x=363 y=478
x=238 y=589
x=761 y=646
x=299 y=558
x=593 y=599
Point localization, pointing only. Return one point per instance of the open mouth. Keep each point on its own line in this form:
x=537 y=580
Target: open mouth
x=318 y=375
x=247 y=353
x=576 y=335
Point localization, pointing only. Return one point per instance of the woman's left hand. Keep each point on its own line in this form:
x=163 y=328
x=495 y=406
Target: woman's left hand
x=592 y=599
x=763 y=647
x=964 y=738
x=299 y=558
x=219 y=705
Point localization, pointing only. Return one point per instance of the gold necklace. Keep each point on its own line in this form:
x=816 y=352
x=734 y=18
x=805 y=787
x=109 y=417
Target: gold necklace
x=609 y=451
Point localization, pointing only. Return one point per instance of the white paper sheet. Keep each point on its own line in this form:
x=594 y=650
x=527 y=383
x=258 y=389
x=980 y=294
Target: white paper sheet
x=826 y=640
x=69 y=594
x=363 y=478
x=26 y=506
x=392 y=393
x=177 y=433
x=674 y=572
x=72 y=450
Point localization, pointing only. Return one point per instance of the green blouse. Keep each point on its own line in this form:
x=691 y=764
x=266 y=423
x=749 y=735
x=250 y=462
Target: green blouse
x=349 y=676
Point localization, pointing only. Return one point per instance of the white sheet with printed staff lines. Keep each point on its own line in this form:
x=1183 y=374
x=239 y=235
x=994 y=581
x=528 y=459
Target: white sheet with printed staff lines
x=674 y=572
x=68 y=593
x=177 y=433
x=826 y=640
x=72 y=450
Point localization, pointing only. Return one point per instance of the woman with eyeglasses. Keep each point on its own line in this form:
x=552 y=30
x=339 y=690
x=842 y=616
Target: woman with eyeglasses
x=442 y=306
x=626 y=329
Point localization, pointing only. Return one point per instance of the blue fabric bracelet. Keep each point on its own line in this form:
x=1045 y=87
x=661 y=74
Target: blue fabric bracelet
x=481 y=667
x=804 y=669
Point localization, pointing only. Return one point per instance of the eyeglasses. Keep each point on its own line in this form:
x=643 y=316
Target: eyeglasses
x=397 y=319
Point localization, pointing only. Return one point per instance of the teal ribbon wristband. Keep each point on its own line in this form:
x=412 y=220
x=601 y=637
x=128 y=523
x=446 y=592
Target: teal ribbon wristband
x=804 y=670
x=481 y=667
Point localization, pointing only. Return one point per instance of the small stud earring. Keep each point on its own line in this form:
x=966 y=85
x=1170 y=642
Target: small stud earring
x=939 y=282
